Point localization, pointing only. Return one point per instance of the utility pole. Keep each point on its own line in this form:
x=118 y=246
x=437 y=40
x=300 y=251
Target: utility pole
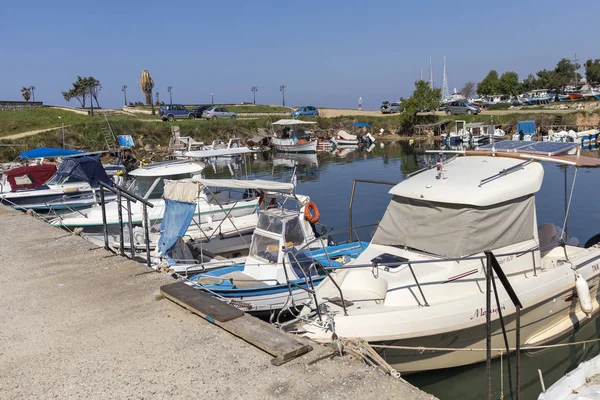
x=32 y=88
x=282 y=90
x=169 y=89
x=254 y=89
x=124 y=90
x=212 y=98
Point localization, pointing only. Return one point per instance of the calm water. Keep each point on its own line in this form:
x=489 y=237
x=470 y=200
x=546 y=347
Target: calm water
x=327 y=178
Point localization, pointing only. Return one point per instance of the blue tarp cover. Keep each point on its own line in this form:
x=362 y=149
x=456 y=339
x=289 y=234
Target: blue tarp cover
x=85 y=168
x=528 y=127
x=360 y=124
x=48 y=152
x=176 y=221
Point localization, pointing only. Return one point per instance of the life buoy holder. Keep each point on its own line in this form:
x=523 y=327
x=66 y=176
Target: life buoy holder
x=311 y=213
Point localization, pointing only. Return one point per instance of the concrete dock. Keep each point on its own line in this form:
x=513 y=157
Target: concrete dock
x=77 y=321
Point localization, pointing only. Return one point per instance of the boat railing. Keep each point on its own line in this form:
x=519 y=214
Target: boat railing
x=350 y=207
x=122 y=192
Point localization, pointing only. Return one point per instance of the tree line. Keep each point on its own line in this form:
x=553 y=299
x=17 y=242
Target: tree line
x=508 y=84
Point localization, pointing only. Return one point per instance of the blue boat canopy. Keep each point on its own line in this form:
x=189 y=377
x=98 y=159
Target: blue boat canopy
x=360 y=124
x=43 y=152
x=528 y=127
x=85 y=168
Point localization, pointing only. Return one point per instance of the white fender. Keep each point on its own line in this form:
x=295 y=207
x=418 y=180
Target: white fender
x=583 y=293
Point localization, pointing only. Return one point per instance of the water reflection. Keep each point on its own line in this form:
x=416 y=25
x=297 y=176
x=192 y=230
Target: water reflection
x=328 y=181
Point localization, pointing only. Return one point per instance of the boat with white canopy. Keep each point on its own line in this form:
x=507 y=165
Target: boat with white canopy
x=421 y=282
x=294 y=138
x=148 y=182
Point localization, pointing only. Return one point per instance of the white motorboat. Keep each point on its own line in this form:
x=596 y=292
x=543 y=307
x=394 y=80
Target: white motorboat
x=73 y=186
x=259 y=282
x=293 y=139
x=421 y=281
x=345 y=139
x=148 y=182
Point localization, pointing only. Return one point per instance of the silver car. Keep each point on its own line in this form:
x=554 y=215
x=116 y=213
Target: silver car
x=389 y=108
x=218 y=112
x=461 y=107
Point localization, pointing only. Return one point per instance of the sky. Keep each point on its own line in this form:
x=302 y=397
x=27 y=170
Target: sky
x=327 y=53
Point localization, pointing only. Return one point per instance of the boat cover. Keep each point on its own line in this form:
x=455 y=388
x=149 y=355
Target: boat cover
x=528 y=127
x=293 y=122
x=176 y=221
x=29 y=176
x=43 y=152
x=455 y=230
x=345 y=135
x=360 y=125
x=85 y=168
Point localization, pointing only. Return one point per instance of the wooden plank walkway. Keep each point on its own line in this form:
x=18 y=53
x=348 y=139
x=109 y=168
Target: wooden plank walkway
x=254 y=331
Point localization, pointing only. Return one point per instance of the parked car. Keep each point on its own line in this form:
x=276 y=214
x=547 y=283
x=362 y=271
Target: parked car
x=461 y=107
x=200 y=109
x=389 y=108
x=215 y=112
x=171 y=112
x=308 y=111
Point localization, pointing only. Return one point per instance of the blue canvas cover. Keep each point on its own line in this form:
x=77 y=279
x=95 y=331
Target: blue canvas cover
x=85 y=168
x=44 y=152
x=528 y=127
x=176 y=221
x=125 y=141
x=360 y=124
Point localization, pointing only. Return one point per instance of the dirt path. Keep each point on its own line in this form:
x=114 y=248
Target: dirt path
x=29 y=133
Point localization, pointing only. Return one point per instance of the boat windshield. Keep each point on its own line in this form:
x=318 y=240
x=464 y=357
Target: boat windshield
x=141 y=184
x=61 y=179
x=270 y=223
x=264 y=247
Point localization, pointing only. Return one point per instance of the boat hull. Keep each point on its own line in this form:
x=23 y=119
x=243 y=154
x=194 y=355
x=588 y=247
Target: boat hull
x=283 y=147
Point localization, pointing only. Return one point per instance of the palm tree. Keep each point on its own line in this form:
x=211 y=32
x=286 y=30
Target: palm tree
x=147 y=84
x=26 y=93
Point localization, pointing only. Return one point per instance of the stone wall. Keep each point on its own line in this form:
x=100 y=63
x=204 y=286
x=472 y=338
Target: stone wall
x=19 y=105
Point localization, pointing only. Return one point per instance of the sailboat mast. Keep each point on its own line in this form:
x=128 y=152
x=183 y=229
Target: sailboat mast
x=445 y=91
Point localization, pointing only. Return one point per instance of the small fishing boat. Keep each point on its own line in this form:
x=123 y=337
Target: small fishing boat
x=275 y=274
x=421 y=281
x=293 y=138
x=148 y=182
x=526 y=131
x=73 y=186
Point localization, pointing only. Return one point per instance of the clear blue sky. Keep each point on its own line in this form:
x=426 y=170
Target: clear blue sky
x=328 y=53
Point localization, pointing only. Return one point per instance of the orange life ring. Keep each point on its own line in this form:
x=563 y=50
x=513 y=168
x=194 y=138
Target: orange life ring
x=309 y=209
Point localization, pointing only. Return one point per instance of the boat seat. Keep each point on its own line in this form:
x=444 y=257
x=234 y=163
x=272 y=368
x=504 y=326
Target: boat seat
x=242 y=280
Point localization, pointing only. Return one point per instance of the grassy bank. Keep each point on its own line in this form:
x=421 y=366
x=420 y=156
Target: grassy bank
x=12 y=122
x=152 y=137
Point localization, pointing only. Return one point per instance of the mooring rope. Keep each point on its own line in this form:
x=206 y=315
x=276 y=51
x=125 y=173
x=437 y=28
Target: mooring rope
x=423 y=349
